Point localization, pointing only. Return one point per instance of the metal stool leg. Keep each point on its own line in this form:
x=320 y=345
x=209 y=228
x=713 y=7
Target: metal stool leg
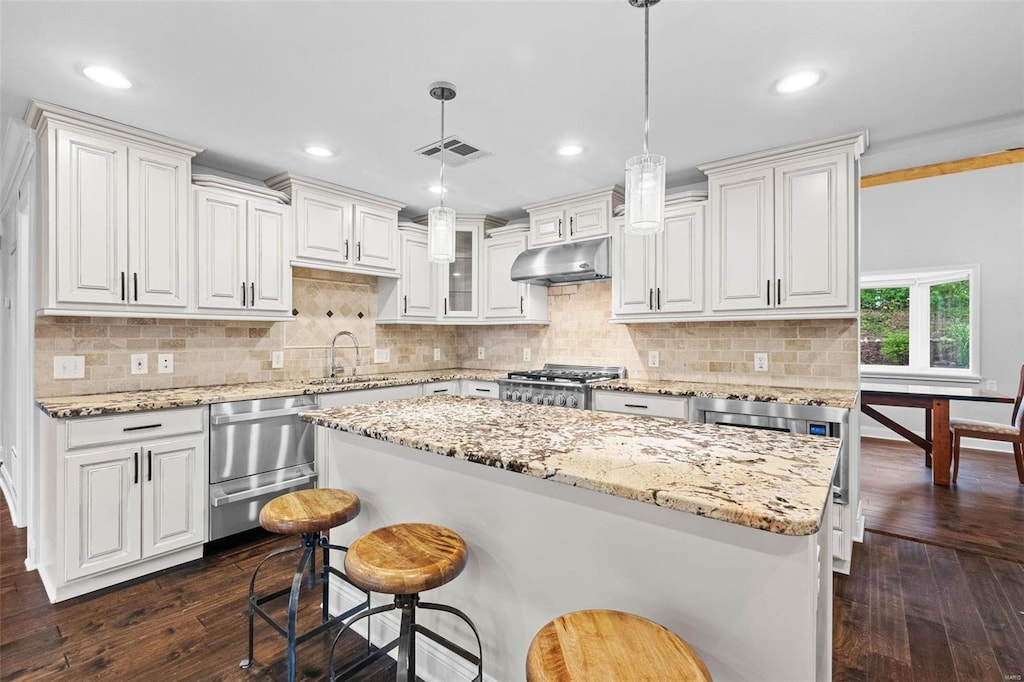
x=293 y=603
x=246 y=662
x=479 y=659
x=407 y=638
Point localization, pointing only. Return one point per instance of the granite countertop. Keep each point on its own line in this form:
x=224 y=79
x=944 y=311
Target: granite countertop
x=778 y=482
x=764 y=394
x=134 y=401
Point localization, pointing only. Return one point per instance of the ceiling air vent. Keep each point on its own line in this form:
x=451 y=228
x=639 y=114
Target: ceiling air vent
x=458 y=152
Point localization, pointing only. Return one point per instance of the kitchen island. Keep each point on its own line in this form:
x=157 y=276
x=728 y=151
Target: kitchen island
x=715 y=532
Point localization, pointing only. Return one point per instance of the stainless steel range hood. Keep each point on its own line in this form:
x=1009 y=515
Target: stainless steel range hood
x=563 y=263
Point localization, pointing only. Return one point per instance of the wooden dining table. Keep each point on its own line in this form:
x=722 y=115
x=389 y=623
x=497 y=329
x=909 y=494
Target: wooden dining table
x=937 y=442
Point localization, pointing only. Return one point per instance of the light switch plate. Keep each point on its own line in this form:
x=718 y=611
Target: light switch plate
x=140 y=363
x=653 y=358
x=991 y=384
x=760 y=362
x=277 y=359
x=69 y=367
x=527 y=355
x=165 y=363
x=479 y=352
x=437 y=354
x=381 y=355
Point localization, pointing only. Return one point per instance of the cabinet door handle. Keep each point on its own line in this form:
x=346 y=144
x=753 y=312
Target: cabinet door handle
x=122 y=287
x=135 y=285
x=149 y=461
x=639 y=407
x=140 y=428
x=445 y=305
x=559 y=228
x=405 y=304
x=482 y=390
x=570 y=225
x=768 y=293
x=359 y=251
x=659 y=298
x=243 y=294
x=521 y=305
x=346 y=249
x=650 y=299
x=440 y=390
x=252 y=295
x=135 y=456
x=778 y=291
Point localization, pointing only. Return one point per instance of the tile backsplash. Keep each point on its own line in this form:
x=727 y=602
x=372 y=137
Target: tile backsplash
x=811 y=353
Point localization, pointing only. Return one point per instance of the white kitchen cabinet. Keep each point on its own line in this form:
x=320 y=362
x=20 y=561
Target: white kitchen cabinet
x=474 y=388
x=783 y=229
x=460 y=279
x=573 y=218
x=121 y=496
x=241 y=255
x=413 y=296
x=115 y=215
x=642 y=404
x=662 y=274
x=503 y=298
x=442 y=388
x=339 y=228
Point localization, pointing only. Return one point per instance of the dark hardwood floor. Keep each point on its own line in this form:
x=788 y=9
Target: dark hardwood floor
x=982 y=513
x=907 y=611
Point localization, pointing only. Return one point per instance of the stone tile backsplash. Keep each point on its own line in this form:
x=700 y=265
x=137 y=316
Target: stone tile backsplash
x=811 y=353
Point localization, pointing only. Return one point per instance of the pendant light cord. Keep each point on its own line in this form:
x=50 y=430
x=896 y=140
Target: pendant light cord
x=647 y=73
x=442 y=153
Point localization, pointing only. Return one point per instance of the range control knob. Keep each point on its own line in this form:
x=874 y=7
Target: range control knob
x=573 y=402
x=516 y=395
x=560 y=400
x=547 y=400
x=508 y=394
x=537 y=398
x=526 y=396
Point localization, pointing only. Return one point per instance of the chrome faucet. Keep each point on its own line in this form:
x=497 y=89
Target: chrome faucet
x=331 y=367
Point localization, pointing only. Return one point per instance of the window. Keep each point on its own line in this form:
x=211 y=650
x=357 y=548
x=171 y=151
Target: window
x=922 y=322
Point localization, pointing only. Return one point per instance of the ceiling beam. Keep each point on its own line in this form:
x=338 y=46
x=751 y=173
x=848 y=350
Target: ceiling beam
x=945 y=168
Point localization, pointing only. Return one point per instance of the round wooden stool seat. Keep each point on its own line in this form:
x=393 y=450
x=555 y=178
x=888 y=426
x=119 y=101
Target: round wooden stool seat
x=406 y=558
x=610 y=645
x=309 y=511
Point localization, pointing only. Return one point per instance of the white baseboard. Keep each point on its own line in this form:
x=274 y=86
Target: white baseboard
x=434 y=663
x=867 y=431
x=858 y=523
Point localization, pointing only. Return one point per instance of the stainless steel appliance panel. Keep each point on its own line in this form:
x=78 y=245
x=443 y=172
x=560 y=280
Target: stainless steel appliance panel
x=235 y=504
x=255 y=436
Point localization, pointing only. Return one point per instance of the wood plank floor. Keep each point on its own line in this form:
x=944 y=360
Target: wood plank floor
x=908 y=611
x=982 y=513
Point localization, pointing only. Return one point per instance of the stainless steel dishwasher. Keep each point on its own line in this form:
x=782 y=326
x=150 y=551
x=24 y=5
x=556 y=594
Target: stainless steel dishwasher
x=259 y=449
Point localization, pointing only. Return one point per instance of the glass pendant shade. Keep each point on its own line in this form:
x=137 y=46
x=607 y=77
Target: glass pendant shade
x=645 y=194
x=441 y=234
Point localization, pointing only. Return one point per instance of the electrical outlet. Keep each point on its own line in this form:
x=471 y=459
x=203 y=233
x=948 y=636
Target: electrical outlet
x=277 y=359
x=527 y=355
x=381 y=355
x=69 y=367
x=140 y=363
x=479 y=352
x=991 y=384
x=165 y=363
x=653 y=358
x=437 y=354
x=760 y=362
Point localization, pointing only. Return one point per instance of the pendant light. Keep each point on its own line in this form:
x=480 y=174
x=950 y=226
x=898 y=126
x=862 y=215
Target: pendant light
x=441 y=219
x=645 y=174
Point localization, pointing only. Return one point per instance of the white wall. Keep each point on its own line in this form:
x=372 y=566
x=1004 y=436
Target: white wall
x=957 y=219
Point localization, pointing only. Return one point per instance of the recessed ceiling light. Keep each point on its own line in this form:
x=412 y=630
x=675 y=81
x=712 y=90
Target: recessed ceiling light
x=795 y=82
x=437 y=189
x=318 y=150
x=108 y=77
x=570 y=150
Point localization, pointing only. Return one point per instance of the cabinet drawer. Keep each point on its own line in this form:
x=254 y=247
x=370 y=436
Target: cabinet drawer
x=479 y=389
x=150 y=425
x=641 y=404
x=441 y=388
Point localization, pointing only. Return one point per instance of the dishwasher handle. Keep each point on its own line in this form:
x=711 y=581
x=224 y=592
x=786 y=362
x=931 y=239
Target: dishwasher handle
x=221 y=500
x=255 y=416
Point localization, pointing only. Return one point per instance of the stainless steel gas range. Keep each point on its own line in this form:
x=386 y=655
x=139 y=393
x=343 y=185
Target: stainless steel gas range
x=560 y=385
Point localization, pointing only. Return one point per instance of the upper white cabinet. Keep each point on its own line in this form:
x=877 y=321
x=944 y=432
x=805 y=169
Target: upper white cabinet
x=573 y=218
x=783 y=229
x=242 y=243
x=413 y=296
x=503 y=298
x=337 y=228
x=661 y=275
x=115 y=217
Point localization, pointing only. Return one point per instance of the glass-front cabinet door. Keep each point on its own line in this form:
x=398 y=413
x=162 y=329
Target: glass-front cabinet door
x=461 y=285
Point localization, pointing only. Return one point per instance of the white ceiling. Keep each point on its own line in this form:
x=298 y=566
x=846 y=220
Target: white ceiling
x=254 y=82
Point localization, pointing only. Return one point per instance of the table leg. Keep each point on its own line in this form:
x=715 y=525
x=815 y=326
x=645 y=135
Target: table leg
x=942 y=447
x=928 y=437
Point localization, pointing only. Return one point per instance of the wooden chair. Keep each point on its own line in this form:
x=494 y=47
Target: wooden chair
x=1007 y=433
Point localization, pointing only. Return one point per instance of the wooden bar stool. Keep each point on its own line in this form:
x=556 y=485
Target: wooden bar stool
x=310 y=513
x=606 y=646
x=404 y=560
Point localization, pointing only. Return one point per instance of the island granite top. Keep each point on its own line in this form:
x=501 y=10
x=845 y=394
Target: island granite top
x=778 y=482
x=762 y=394
x=135 y=401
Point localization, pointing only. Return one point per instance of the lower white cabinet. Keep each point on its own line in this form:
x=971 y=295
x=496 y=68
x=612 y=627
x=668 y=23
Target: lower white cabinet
x=120 y=497
x=642 y=404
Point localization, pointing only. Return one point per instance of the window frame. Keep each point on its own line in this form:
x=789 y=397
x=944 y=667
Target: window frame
x=919 y=281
